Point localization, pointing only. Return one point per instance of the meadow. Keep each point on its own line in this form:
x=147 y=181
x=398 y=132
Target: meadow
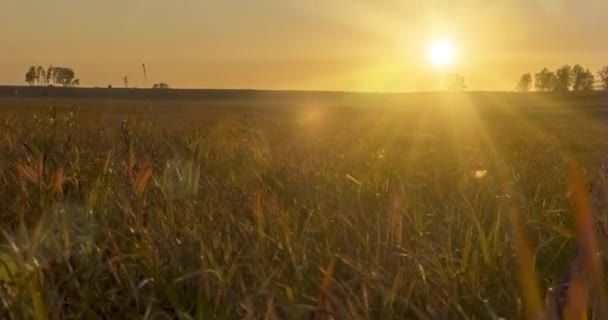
x=359 y=207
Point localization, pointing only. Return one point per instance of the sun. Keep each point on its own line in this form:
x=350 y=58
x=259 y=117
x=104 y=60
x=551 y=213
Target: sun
x=440 y=53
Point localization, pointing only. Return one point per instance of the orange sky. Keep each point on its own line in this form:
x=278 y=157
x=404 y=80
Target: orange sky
x=313 y=44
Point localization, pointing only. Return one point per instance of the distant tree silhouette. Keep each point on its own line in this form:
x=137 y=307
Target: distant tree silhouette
x=64 y=77
x=161 y=85
x=577 y=74
x=30 y=76
x=50 y=75
x=40 y=75
x=582 y=79
x=588 y=83
x=525 y=83
x=125 y=80
x=455 y=82
x=544 y=80
x=603 y=78
x=563 y=79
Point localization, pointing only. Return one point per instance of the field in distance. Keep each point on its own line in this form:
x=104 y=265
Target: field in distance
x=287 y=205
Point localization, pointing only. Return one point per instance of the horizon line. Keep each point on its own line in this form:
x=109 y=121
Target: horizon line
x=263 y=89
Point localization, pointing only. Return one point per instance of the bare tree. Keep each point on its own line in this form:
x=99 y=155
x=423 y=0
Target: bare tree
x=544 y=80
x=525 y=83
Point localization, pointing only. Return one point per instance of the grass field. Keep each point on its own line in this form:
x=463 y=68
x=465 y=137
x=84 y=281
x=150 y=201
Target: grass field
x=397 y=208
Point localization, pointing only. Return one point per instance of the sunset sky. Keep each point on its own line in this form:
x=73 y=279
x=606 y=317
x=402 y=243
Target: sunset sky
x=313 y=44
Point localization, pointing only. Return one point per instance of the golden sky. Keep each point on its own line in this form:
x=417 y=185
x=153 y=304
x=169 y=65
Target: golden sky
x=312 y=44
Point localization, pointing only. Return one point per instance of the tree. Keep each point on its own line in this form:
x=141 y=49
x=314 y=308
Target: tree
x=64 y=76
x=588 y=82
x=563 y=79
x=455 y=82
x=40 y=75
x=604 y=77
x=125 y=80
x=582 y=79
x=544 y=80
x=37 y=75
x=50 y=75
x=525 y=82
x=30 y=76
x=577 y=77
x=161 y=85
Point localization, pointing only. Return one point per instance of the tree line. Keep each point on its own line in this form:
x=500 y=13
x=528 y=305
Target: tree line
x=564 y=79
x=37 y=75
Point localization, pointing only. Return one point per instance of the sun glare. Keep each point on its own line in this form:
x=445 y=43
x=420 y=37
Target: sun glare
x=440 y=53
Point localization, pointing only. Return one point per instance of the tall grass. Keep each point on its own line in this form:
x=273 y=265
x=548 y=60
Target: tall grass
x=294 y=217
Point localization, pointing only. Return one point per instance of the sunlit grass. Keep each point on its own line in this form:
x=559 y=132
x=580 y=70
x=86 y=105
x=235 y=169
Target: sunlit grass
x=324 y=213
